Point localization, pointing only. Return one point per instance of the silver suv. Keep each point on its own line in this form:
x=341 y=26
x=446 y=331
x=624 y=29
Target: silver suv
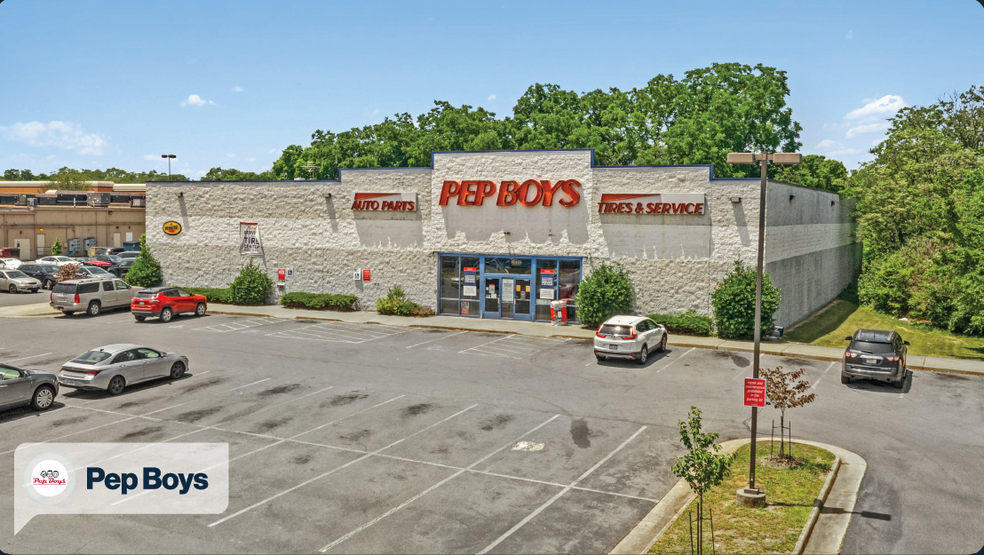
x=91 y=295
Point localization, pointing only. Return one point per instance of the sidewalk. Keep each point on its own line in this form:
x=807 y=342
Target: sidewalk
x=534 y=329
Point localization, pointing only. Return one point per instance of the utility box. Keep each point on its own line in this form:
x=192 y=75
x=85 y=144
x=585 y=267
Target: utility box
x=558 y=313
x=10 y=252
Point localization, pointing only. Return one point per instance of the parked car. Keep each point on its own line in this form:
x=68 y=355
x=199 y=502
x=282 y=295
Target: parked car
x=27 y=387
x=56 y=260
x=629 y=337
x=165 y=302
x=15 y=281
x=113 y=367
x=109 y=262
x=129 y=254
x=876 y=355
x=11 y=263
x=95 y=251
x=90 y=295
x=47 y=274
x=96 y=272
x=124 y=266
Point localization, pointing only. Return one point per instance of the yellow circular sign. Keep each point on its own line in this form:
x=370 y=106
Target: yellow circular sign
x=172 y=228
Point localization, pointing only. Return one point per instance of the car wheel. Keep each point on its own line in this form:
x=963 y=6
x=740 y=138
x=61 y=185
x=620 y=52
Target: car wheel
x=93 y=309
x=662 y=344
x=177 y=370
x=140 y=318
x=845 y=379
x=12 y=289
x=116 y=385
x=901 y=383
x=167 y=314
x=200 y=309
x=49 y=284
x=43 y=398
x=643 y=355
x=601 y=358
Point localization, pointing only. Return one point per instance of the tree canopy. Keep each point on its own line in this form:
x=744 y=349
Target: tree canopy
x=68 y=178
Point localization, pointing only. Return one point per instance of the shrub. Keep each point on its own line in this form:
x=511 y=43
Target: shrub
x=395 y=303
x=687 y=322
x=213 y=294
x=146 y=270
x=603 y=294
x=319 y=301
x=734 y=304
x=251 y=286
x=884 y=285
x=56 y=248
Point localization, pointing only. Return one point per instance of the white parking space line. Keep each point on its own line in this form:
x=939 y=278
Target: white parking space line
x=25 y=358
x=434 y=487
x=238 y=325
x=336 y=469
x=438 y=339
x=339 y=332
x=672 y=362
x=247 y=385
x=822 y=375
x=560 y=494
x=511 y=346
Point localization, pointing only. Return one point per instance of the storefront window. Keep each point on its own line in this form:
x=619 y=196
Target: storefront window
x=546 y=270
x=508 y=265
x=449 y=278
x=570 y=278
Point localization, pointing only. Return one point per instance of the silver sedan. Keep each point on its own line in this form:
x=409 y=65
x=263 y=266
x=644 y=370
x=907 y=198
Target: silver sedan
x=16 y=281
x=114 y=367
x=26 y=387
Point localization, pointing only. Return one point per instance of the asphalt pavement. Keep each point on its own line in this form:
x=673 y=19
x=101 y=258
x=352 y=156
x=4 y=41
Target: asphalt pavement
x=373 y=438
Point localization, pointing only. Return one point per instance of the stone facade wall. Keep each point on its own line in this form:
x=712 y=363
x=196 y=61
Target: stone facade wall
x=675 y=260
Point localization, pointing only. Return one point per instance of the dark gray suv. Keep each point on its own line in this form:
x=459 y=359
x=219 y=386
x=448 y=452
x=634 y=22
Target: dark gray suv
x=875 y=355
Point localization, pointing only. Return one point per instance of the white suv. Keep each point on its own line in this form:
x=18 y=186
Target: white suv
x=629 y=337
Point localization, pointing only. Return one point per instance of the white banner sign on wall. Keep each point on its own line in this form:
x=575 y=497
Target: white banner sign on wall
x=249 y=239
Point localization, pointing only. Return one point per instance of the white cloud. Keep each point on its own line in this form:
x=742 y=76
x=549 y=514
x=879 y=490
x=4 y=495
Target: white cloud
x=883 y=107
x=273 y=151
x=200 y=173
x=844 y=152
x=251 y=159
x=866 y=128
x=231 y=155
x=58 y=134
x=491 y=97
x=850 y=35
x=827 y=144
x=151 y=157
x=195 y=100
x=237 y=88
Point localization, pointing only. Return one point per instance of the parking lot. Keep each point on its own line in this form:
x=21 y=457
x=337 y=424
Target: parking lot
x=376 y=439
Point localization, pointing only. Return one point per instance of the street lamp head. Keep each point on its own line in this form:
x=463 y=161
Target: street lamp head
x=741 y=158
x=787 y=158
x=168 y=156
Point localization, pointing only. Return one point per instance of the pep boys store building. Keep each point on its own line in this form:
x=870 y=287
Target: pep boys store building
x=501 y=234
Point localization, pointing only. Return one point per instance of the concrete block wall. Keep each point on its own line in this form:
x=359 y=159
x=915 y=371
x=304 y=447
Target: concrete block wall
x=675 y=260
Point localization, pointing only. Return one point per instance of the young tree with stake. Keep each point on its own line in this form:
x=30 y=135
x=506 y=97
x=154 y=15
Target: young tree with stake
x=784 y=390
x=702 y=466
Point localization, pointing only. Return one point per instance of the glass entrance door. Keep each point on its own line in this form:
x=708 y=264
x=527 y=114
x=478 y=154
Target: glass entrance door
x=492 y=293
x=523 y=296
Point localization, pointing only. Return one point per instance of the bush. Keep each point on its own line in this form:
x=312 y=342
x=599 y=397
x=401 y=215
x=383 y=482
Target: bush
x=395 y=303
x=603 y=294
x=734 y=304
x=146 y=270
x=56 y=248
x=319 y=301
x=687 y=322
x=251 y=286
x=213 y=294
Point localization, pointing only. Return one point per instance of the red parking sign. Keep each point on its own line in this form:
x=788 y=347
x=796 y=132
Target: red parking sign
x=754 y=392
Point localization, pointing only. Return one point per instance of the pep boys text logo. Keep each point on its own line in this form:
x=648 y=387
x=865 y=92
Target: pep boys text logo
x=48 y=478
x=531 y=192
x=152 y=480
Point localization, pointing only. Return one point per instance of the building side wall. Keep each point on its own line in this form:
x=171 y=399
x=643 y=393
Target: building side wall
x=66 y=223
x=811 y=252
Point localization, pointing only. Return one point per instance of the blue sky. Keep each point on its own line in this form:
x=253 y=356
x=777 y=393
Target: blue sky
x=97 y=84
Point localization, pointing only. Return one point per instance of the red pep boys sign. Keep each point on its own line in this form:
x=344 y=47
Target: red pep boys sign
x=385 y=202
x=645 y=203
x=532 y=192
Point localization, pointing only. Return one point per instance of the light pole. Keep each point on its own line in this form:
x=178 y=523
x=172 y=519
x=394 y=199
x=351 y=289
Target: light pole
x=168 y=156
x=752 y=495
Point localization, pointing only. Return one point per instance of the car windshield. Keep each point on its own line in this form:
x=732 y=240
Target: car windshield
x=98 y=272
x=92 y=357
x=16 y=274
x=613 y=329
x=113 y=258
x=872 y=347
x=146 y=294
x=50 y=268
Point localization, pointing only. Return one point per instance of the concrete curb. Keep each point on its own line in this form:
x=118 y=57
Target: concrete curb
x=817 y=505
x=652 y=527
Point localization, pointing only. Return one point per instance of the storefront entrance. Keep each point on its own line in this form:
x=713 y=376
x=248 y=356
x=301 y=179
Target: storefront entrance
x=507 y=287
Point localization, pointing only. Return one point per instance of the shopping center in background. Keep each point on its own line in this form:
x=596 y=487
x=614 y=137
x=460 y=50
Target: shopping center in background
x=502 y=234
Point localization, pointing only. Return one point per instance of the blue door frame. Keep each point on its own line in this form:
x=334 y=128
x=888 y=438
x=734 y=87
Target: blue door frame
x=499 y=280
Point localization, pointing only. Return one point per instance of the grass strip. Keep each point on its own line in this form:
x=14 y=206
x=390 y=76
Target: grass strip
x=790 y=493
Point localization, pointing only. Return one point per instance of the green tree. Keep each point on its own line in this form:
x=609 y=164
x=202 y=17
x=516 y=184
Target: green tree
x=605 y=292
x=815 y=171
x=251 y=286
x=146 y=270
x=734 y=303
x=702 y=466
x=230 y=174
x=56 y=248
